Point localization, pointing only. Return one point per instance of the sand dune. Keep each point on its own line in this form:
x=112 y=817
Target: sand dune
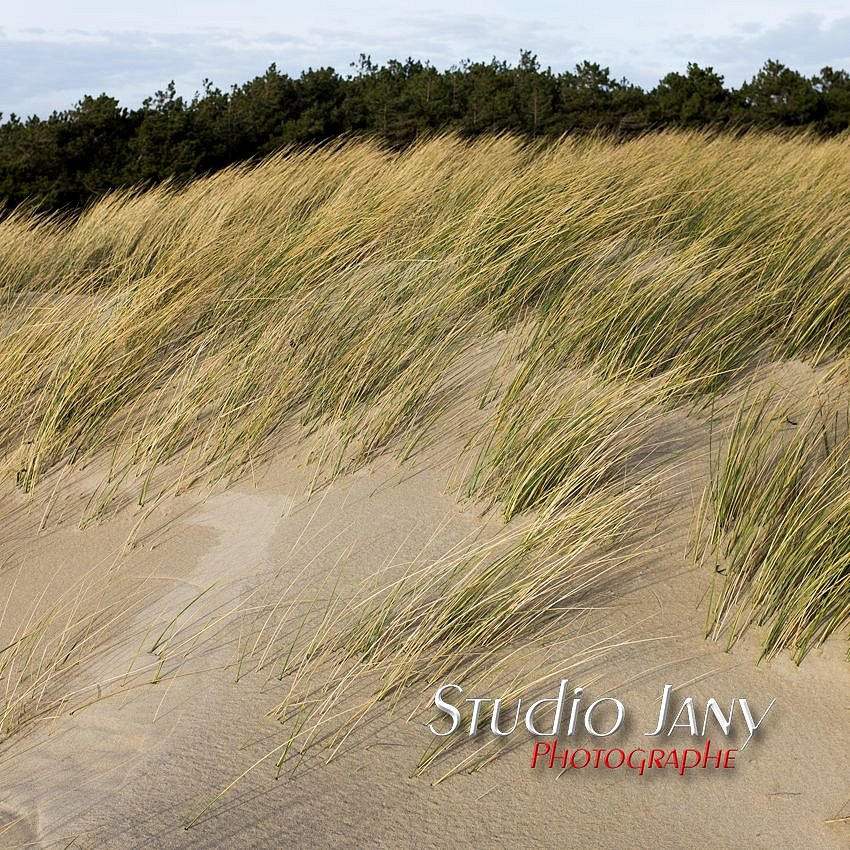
x=286 y=450
x=131 y=769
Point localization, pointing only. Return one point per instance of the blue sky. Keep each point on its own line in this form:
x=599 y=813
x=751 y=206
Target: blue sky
x=51 y=52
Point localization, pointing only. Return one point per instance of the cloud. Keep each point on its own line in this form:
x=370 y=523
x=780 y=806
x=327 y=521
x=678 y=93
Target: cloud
x=47 y=69
x=47 y=73
x=804 y=42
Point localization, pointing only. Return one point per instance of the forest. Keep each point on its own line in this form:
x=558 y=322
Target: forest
x=66 y=160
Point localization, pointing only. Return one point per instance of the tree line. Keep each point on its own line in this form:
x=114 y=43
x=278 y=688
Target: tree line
x=65 y=160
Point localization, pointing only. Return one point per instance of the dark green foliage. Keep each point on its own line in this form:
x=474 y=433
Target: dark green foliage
x=71 y=157
x=692 y=100
x=834 y=89
x=780 y=97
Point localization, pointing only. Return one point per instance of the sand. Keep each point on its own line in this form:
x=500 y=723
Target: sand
x=130 y=769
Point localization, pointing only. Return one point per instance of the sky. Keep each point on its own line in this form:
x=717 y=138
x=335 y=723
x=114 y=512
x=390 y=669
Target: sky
x=53 y=52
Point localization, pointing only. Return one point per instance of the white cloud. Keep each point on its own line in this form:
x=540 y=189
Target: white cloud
x=804 y=42
x=46 y=68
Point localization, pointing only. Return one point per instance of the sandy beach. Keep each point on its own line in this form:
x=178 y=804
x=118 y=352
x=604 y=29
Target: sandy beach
x=287 y=450
x=132 y=768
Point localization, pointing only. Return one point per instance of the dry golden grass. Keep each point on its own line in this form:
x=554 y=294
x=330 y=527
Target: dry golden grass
x=177 y=333
x=323 y=283
x=780 y=519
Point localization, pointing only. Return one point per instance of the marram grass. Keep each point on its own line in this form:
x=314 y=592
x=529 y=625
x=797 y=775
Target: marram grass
x=322 y=283
x=780 y=507
x=170 y=337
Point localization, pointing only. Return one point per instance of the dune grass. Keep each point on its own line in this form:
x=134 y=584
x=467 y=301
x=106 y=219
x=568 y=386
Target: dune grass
x=780 y=507
x=563 y=436
x=324 y=283
x=172 y=336
x=55 y=645
x=505 y=612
